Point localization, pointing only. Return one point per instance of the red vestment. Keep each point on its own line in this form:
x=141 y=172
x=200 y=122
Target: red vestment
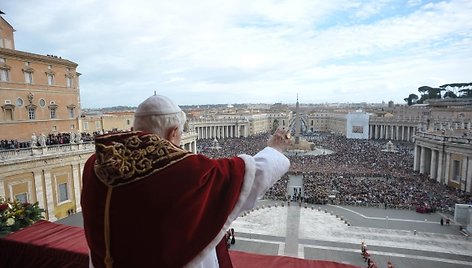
x=165 y=205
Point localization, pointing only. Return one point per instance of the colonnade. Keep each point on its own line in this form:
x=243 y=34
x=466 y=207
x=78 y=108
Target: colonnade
x=190 y=146
x=221 y=131
x=444 y=161
x=391 y=132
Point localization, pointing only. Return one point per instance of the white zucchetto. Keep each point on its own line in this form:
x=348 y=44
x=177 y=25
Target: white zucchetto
x=157 y=105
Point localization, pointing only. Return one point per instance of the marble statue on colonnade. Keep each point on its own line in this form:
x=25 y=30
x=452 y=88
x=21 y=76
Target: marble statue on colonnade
x=42 y=140
x=34 y=140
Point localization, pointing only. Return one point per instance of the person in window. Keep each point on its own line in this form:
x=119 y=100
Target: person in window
x=131 y=219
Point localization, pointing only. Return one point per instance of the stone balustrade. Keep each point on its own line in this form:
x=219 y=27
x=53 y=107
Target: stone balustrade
x=23 y=153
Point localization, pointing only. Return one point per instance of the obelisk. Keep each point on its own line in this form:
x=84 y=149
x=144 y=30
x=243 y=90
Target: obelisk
x=297 y=123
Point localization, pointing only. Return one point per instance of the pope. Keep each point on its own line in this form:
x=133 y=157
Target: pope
x=147 y=202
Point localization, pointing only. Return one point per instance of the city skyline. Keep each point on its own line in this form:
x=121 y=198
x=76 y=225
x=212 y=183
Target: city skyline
x=250 y=52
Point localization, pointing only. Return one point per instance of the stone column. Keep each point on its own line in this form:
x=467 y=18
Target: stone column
x=447 y=168
x=76 y=175
x=49 y=196
x=38 y=184
x=434 y=164
x=416 y=161
x=440 y=176
x=408 y=134
x=422 y=160
x=381 y=132
x=464 y=173
x=468 y=180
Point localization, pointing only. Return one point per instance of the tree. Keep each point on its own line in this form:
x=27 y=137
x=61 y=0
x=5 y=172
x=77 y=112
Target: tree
x=462 y=90
x=450 y=94
x=466 y=93
x=429 y=93
x=412 y=99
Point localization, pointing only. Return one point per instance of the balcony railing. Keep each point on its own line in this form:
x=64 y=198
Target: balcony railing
x=24 y=153
x=444 y=138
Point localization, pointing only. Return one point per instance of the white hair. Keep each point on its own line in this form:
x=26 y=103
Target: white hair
x=160 y=124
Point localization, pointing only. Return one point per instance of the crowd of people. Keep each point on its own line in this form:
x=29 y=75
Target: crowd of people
x=41 y=140
x=13 y=144
x=357 y=173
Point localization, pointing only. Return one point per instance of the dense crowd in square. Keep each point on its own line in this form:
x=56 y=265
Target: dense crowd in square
x=359 y=172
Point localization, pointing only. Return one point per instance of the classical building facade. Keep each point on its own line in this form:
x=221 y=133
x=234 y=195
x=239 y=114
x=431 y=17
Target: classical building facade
x=113 y=121
x=222 y=126
x=443 y=145
x=445 y=158
x=391 y=128
x=51 y=176
x=38 y=93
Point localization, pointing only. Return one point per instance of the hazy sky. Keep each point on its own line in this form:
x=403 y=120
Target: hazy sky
x=250 y=51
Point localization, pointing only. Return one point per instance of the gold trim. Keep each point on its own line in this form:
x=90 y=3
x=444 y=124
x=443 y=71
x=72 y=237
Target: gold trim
x=134 y=157
x=108 y=258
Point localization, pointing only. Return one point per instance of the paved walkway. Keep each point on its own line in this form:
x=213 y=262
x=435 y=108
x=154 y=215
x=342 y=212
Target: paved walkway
x=406 y=238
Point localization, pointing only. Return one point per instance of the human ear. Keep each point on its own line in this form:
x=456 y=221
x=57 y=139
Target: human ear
x=172 y=135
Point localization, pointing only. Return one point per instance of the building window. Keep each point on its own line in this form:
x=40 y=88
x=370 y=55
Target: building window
x=456 y=170
x=98 y=126
x=63 y=192
x=71 y=112
x=128 y=122
x=31 y=113
x=8 y=114
x=72 y=126
x=22 y=198
x=68 y=81
x=19 y=102
x=50 y=79
x=4 y=75
x=86 y=126
x=28 y=77
x=52 y=112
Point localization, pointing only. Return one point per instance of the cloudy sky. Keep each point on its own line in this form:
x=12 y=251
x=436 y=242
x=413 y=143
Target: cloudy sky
x=250 y=51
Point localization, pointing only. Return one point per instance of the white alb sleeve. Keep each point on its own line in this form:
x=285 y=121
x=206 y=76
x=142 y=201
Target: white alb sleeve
x=262 y=171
